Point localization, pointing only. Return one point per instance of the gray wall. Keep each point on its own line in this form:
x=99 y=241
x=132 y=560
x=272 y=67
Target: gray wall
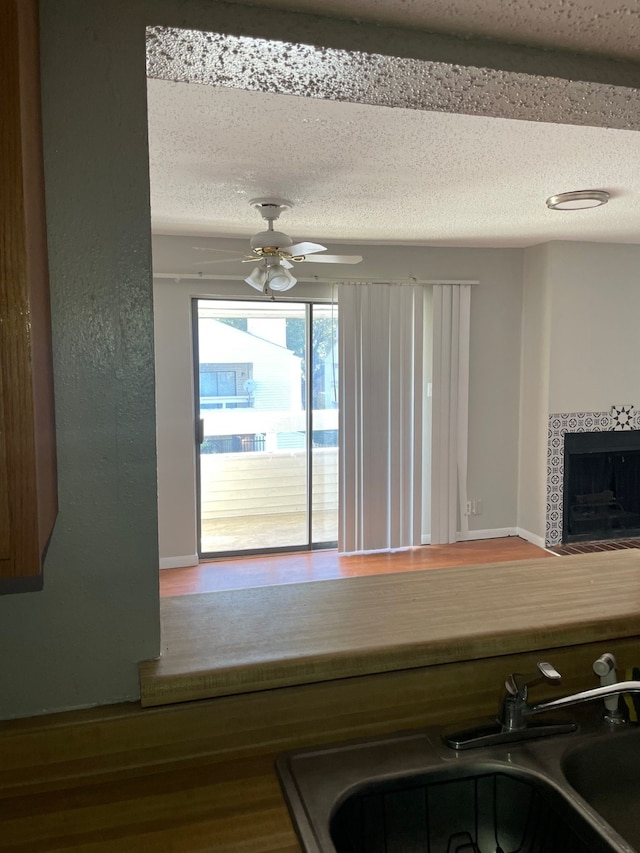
x=496 y=308
x=78 y=642
x=175 y=428
x=580 y=348
x=594 y=339
x=534 y=392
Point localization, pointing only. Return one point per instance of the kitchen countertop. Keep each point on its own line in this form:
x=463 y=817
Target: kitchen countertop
x=240 y=641
x=196 y=776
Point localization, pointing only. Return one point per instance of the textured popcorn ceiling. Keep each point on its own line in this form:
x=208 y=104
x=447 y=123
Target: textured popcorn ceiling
x=386 y=149
x=607 y=27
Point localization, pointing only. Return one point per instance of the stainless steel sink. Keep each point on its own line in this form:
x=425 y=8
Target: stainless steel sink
x=491 y=809
x=411 y=793
x=605 y=771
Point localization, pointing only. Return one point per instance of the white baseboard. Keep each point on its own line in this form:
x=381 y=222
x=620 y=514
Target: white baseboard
x=491 y=533
x=469 y=536
x=179 y=562
x=531 y=537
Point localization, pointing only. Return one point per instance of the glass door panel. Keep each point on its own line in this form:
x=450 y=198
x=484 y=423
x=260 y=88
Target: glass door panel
x=324 y=430
x=255 y=476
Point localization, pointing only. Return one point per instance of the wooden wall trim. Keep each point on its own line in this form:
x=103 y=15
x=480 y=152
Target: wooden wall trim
x=27 y=428
x=37 y=261
x=200 y=775
x=43 y=750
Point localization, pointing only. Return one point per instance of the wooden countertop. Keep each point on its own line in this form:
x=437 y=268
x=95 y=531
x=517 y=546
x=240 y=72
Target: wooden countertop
x=199 y=776
x=239 y=641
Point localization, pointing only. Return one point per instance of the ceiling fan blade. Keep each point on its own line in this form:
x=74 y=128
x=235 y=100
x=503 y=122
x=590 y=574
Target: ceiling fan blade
x=285 y=263
x=305 y=248
x=218 y=261
x=333 y=259
x=210 y=249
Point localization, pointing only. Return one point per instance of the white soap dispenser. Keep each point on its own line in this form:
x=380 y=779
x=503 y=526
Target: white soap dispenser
x=605 y=668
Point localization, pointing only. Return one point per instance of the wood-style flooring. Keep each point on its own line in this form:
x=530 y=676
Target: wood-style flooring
x=273 y=570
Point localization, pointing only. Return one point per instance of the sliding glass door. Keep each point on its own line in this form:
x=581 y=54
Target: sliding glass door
x=267 y=408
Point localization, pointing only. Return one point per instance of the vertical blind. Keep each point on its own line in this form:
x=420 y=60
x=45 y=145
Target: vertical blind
x=451 y=319
x=381 y=348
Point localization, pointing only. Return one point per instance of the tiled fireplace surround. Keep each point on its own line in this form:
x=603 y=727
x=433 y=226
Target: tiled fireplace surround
x=619 y=417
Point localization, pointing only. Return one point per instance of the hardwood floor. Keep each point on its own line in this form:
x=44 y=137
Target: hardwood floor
x=246 y=572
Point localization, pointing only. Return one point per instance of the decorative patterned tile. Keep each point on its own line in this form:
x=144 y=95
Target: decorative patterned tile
x=621 y=416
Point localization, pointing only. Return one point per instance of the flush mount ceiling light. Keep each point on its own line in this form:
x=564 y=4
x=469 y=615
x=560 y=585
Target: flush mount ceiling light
x=578 y=200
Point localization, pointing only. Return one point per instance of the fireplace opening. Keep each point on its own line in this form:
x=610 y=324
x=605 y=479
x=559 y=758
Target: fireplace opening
x=601 y=496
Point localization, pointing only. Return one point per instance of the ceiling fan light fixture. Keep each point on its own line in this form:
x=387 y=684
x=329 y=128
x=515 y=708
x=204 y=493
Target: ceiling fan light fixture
x=578 y=200
x=257 y=278
x=277 y=252
x=271 y=277
x=280 y=279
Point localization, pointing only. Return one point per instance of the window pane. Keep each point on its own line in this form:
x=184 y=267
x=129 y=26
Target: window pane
x=226 y=383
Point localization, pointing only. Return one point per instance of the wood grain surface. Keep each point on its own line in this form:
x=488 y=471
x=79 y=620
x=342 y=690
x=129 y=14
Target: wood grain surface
x=304 y=566
x=254 y=639
x=27 y=429
x=199 y=776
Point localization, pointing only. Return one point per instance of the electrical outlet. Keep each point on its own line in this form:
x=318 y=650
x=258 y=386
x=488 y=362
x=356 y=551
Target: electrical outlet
x=473 y=507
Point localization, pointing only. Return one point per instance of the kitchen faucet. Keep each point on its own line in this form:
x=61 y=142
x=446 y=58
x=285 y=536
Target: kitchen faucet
x=512 y=723
x=516 y=709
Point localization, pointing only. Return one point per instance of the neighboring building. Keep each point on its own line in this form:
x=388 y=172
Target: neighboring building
x=250 y=390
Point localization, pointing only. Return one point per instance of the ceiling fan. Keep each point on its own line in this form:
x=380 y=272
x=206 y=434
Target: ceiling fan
x=276 y=252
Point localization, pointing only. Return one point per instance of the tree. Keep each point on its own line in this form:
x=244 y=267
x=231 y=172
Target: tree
x=236 y=322
x=323 y=341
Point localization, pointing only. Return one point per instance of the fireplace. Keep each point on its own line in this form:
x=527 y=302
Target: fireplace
x=601 y=486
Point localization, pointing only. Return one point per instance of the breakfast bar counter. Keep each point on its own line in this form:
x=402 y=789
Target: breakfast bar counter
x=285 y=668
x=239 y=641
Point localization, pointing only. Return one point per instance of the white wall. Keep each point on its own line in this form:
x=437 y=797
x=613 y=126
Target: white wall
x=175 y=427
x=496 y=307
x=494 y=384
x=580 y=349
x=534 y=393
x=595 y=332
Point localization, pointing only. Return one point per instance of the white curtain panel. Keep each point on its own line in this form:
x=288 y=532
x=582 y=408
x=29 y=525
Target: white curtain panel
x=450 y=412
x=381 y=386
